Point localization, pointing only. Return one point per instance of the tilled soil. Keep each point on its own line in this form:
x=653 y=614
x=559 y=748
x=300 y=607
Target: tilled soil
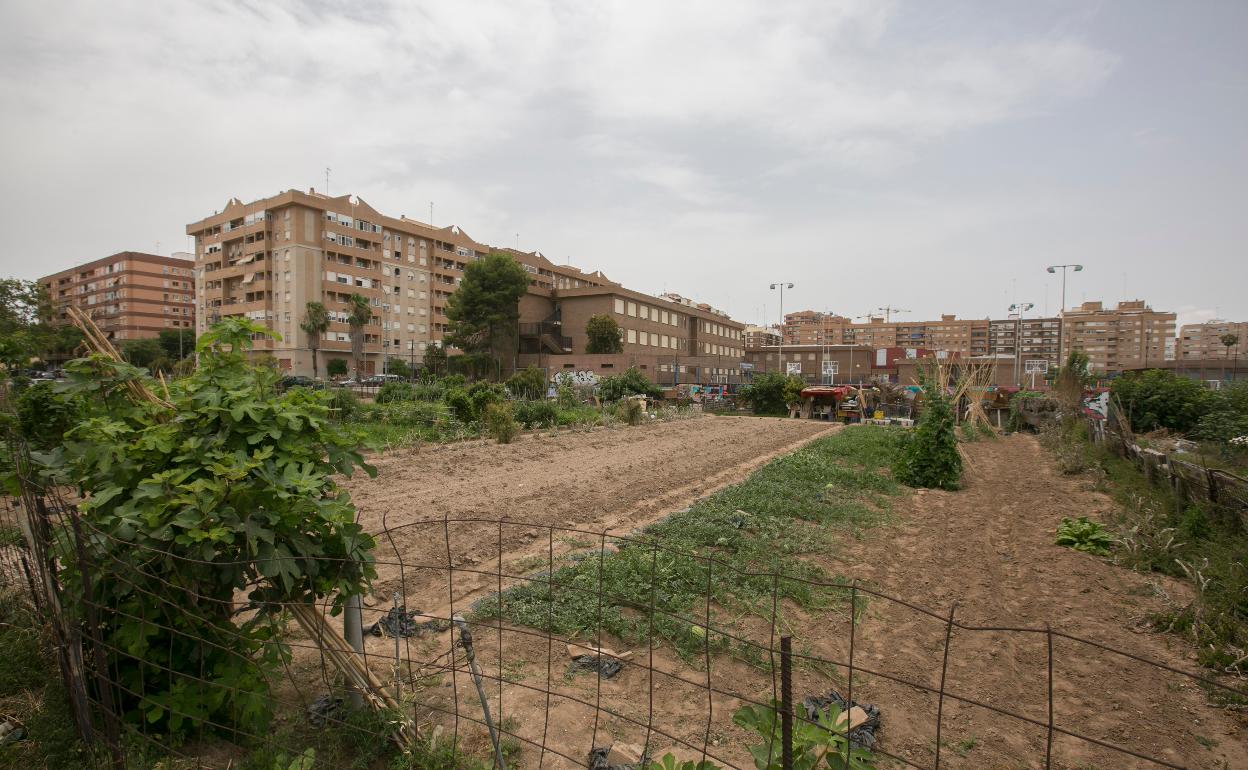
x=985 y=552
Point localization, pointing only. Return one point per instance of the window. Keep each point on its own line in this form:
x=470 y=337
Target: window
x=619 y=306
x=632 y=336
x=632 y=309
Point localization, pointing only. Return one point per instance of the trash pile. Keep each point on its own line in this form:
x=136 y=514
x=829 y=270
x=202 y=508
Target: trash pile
x=399 y=622
x=324 y=709
x=586 y=657
x=863 y=720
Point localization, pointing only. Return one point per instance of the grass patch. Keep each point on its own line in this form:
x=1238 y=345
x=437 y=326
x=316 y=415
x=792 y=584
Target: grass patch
x=31 y=691
x=764 y=525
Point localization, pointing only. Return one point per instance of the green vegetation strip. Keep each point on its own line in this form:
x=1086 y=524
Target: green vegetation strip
x=743 y=534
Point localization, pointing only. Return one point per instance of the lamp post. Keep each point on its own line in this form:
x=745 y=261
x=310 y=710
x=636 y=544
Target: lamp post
x=1021 y=307
x=782 y=286
x=1061 y=322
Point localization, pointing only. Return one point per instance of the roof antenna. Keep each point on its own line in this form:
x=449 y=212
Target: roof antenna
x=327 y=180
x=431 y=213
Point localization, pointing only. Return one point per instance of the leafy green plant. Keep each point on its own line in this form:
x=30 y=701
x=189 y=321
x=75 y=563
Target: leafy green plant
x=603 y=335
x=336 y=367
x=225 y=489
x=1084 y=535
x=342 y=403
x=1156 y=398
x=670 y=762
x=929 y=456
x=815 y=744
x=499 y=422
x=631 y=383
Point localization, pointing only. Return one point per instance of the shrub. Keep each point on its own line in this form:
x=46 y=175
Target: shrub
x=336 y=367
x=235 y=490
x=395 y=391
x=629 y=411
x=1159 y=399
x=529 y=383
x=43 y=416
x=499 y=422
x=631 y=383
x=928 y=456
x=483 y=393
x=459 y=402
x=603 y=335
x=1084 y=535
x=771 y=393
x=342 y=403
x=536 y=414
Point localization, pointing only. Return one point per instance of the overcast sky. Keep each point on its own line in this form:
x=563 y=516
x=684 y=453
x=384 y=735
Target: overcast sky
x=931 y=156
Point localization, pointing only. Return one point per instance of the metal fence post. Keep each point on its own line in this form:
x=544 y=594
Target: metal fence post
x=786 y=702
x=353 y=631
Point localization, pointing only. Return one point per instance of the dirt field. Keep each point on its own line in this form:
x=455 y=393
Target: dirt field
x=987 y=547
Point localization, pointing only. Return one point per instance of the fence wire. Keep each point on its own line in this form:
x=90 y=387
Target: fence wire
x=672 y=693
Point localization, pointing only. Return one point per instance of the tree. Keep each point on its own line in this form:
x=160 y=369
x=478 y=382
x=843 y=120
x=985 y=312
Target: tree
x=361 y=313
x=434 y=363
x=604 y=335
x=315 y=323
x=24 y=315
x=177 y=343
x=336 y=367
x=146 y=353
x=485 y=308
x=1230 y=341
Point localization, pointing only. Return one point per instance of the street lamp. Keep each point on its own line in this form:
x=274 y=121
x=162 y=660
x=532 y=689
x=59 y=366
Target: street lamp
x=782 y=286
x=1021 y=307
x=1061 y=323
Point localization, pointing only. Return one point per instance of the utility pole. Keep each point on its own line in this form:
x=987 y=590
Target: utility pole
x=1061 y=317
x=1021 y=307
x=327 y=180
x=782 y=286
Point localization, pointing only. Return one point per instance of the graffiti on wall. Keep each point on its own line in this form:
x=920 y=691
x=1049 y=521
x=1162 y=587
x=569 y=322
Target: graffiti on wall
x=577 y=378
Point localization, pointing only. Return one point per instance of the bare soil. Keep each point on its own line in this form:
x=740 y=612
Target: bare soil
x=987 y=548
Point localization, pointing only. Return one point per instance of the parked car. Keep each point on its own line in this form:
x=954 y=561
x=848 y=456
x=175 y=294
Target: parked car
x=297 y=381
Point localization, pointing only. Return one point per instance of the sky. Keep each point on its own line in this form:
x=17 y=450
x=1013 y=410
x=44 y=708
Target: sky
x=931 y=157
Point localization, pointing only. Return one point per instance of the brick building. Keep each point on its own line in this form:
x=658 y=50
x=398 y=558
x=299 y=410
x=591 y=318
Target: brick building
x=129 y=295
x=761 y=336
x=1130 y=336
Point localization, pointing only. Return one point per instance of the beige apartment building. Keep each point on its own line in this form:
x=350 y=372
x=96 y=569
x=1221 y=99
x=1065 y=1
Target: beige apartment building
x=267 y=259
x=1203 y=342
x=129 y=295
x=761 y=336
x=950 y=334
x=1130 y=336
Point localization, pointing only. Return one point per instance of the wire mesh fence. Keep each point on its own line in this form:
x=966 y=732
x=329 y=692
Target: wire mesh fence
x=500 y=642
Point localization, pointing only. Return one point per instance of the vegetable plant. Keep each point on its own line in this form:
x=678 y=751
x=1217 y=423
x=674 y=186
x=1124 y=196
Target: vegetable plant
x=221 y=490
x=1084 y=535
x=815 y=744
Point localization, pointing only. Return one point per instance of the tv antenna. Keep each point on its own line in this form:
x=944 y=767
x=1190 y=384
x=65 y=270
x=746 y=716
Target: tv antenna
x=888 y=312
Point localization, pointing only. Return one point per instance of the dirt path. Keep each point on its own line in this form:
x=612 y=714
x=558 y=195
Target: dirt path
x=989 y=548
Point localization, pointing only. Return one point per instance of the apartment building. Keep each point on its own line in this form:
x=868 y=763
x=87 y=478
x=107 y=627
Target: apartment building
x=1201 y=342
x=268 y=258
x=670 y=339
x=1033 y=342
x=951 y=334
x=129 y=295
x=1130 y=336
x=760 y=336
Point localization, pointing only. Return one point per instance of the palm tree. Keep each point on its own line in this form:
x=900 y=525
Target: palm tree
x=315 y=323
x=361 y=314
x=1230 y=341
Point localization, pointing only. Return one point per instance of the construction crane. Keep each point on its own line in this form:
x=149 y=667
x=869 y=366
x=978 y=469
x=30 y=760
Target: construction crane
x=888 y=312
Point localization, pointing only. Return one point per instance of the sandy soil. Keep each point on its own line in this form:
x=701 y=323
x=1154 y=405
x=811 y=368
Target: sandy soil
x=988 y=548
